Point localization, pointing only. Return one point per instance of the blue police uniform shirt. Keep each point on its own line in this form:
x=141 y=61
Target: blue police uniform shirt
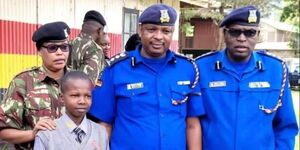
x=233 y=118
x=137 y=101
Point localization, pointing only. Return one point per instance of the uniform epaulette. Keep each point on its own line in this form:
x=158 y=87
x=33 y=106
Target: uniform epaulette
x=206 y=54
x=27 y=70
x=183 y=56
x=270 y=55
x=117 y=58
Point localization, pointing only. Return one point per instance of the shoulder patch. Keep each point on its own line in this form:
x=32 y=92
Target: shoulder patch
x=183 y=56
x=117 y=58
x=207 y=54
x=270 y=55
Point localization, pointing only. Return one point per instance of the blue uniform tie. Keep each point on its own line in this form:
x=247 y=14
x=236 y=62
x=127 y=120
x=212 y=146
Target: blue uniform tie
x=79 y=134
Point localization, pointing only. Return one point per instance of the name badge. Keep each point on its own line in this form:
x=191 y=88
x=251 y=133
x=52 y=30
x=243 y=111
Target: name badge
x=259 y=84
x=217 y=84
x=183 y=82
x=135 y=86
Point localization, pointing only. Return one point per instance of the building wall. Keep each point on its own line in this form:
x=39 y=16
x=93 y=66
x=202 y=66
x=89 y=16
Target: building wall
x=205 y=34
x=20 y=18
x=282 y=53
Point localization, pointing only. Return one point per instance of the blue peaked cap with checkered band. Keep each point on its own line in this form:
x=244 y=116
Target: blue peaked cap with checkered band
x=248 y=16
x=159 y=14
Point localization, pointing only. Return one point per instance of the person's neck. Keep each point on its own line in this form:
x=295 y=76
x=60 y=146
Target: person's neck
x=55 y=74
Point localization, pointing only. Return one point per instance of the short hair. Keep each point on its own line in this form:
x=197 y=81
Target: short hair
x=72 y=75
x=132 y=42
x=91 y=27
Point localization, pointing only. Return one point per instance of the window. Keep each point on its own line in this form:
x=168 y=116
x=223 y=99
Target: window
x=130 y=22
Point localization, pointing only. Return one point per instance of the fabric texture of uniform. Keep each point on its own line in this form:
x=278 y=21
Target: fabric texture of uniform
x=30 y=96
x=62 y=137
x=87 y=56
x=137 y=100
x=232 y=103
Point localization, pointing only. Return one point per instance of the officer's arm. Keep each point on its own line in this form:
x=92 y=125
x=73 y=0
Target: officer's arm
x=17 y=136
x=93 y=62
x=194 y=133
x=285 y=123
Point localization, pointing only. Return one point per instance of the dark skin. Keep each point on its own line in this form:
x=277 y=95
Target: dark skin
x=54 y=64
x=93 y=28
x=104 y=42
x=155 y=40
x=77 y=97
x=239 y=49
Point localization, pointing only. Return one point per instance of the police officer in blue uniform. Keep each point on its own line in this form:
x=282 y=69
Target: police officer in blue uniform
x=151 y=95
x=245 y=93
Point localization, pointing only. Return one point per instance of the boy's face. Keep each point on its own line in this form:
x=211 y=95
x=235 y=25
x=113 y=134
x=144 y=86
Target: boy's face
x=77 y=98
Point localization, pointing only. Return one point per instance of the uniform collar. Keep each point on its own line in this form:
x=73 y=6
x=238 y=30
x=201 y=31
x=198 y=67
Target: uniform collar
x=139 y=58
x=253 y=64
x=42 y=74
x=85 y=36
x=71 y=125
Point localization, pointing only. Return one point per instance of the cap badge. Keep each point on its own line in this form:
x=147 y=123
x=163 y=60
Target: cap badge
x=252 y=16
x=66 y=33
x=164 y=16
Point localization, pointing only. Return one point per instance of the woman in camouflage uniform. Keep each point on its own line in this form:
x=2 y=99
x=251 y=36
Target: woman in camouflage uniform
x=32 y=99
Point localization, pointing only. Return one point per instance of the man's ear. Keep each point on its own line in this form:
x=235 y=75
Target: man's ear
x=139 y=29
x=224 y=31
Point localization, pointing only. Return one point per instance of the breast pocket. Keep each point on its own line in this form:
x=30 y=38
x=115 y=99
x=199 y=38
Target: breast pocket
x=37 y=104
x=264 y=98
x=132 y=101
x=179 y=98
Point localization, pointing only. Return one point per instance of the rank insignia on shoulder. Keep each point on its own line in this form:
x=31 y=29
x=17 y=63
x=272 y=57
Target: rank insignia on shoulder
x=99 y=83
x=183 y=82
x=264 y=84
x=117 y=58
x=217 y=84
x=135 y=85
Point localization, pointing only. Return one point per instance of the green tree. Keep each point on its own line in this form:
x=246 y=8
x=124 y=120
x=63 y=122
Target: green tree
x=265 y=6
x=217 y=14
x=290 y=14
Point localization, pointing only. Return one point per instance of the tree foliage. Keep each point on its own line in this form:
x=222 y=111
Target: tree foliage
x=265 y=6
x=290 y=14
x=217 y=14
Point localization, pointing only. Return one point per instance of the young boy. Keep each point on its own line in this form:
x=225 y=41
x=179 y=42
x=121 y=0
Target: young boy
x=74 y=130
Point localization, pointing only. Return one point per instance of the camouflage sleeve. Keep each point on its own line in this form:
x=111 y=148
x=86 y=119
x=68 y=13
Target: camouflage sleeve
x=93 y=62
x=12 y=106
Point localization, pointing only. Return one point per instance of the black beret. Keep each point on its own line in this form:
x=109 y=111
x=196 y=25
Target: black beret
x=159 y=14
x=95 y=16
x=55 y=31
x=248 y=16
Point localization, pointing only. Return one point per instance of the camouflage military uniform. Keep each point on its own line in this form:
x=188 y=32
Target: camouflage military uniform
x=86 y=56
x=30 y=96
